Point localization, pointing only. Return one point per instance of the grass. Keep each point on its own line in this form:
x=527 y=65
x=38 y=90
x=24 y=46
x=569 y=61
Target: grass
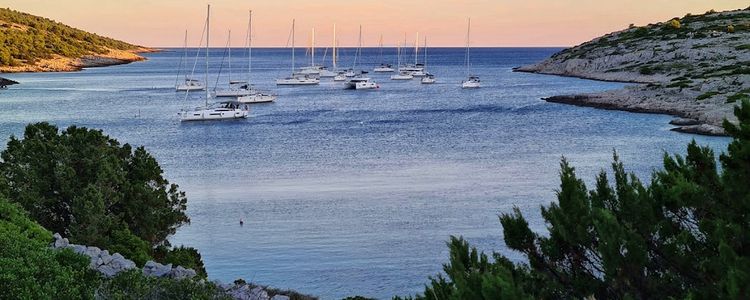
x=738 y=97
x=707 y=95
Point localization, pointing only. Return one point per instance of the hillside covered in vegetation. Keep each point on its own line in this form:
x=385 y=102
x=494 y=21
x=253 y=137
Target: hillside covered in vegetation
x=32 y=43
x=696 y=66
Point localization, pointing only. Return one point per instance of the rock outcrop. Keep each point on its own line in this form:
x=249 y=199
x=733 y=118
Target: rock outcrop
x=109 y=265
x=696 y=67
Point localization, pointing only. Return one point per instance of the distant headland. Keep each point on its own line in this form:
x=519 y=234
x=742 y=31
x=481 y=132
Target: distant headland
x=37 y=44
x=695 y=67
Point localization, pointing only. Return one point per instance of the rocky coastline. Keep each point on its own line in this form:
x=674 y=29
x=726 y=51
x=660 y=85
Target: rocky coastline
x=109 y=265
x=66 y=64
x=695 y=68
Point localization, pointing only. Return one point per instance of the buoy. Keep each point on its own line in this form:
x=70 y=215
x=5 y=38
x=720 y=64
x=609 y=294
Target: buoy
x=242 y=222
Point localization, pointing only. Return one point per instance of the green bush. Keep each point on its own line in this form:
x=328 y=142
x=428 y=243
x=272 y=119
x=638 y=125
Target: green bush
x=134 y=285
x=684 y=236
x=29 y=269
x=707 y=95
x=86 y=186
x=186 y=257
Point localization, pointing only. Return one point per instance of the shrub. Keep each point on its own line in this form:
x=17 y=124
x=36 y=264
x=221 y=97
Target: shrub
x=739 y=97
x=674 y=23
x=684 y=236
x=134 y=285
x=29 y=269
x=183 y=256
x=730 y=28
x=87 y=186
x=707 y=95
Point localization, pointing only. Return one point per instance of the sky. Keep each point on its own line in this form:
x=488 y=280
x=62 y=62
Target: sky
x=495 y=23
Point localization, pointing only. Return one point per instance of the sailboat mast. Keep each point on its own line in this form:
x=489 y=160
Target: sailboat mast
x=381 y=47
x=335 y=50
x=312 y=48
x=208 y=31
x=425 y=51
x=416 y=49
x=249 y=45
x=468 y=42
x=293 y=21
x=229 y=49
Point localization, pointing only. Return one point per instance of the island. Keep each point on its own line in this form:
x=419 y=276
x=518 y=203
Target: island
x=696 y=67
x=37 y=44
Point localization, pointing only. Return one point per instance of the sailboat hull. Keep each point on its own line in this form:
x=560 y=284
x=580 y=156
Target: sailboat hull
x=212 y=114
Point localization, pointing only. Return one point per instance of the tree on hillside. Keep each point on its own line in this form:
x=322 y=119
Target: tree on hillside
x=685 y=235
x=85 y=185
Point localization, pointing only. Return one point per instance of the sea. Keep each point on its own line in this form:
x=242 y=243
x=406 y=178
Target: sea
x=346 y=192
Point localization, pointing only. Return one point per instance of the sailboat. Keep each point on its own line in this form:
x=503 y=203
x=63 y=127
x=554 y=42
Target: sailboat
x=473 y=80
x=189 y=84
x=255 y=96
x=402 y=74
x=384 y=67
x=218 y=111
x=236 y=88
x=295 y=78
x=340 y=75
x=360 y=82
x=416 y=70
x=428 y=78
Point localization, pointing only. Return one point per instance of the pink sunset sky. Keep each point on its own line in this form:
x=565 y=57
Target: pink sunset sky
x=505 y=23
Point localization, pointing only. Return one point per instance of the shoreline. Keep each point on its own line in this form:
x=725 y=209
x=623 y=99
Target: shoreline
x=641 y=97
x=69 y=64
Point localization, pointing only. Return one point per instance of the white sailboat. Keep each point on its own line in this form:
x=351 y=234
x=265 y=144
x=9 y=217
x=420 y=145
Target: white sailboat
x=402 y=74
x=473 y=81
x=188 y=84
x=218 y=111
x=383 y=67
x=255 y=96
x=296 y=78
x=418 y=70
x=428 y=78
x=360 y=82
x=340 y=75
x=236 y=88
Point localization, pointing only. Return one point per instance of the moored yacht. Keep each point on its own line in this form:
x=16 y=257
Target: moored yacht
x=190 y=85
x=428 y=79
x=360 y=83
x=384 y=68
x=402 y=75
x=219 y=111
x=297 y=78
x=257 y=98
x=473 y=80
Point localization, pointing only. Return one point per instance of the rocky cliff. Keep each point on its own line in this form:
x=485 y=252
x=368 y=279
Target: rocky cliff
x=696 y=67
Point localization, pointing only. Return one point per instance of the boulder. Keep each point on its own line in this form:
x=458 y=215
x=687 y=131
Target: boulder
x=180 y=273
x=152 y=268
x=684 y=122
x=258 y=293
x=92 y=251
x=80 y=249
x=60 y=242
x=280 y=297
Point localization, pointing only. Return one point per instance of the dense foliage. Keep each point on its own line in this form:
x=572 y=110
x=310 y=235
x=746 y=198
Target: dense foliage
x=86 y=186
x=133 y=285
x=24 y=37
x=29 y=269
x=686 y=235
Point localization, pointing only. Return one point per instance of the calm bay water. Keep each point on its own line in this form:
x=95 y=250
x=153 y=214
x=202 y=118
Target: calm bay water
x=352 y=192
